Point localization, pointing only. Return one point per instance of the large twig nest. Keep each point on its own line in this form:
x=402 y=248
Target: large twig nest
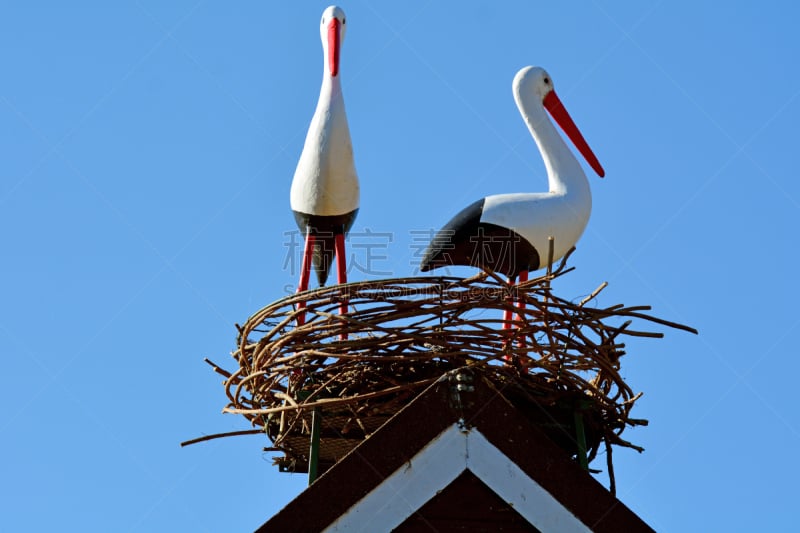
x=403 y=334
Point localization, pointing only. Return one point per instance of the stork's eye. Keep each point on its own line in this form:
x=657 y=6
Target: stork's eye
x=344 y=21
x=547 y=80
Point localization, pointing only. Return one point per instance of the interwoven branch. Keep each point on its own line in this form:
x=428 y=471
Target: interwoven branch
x=403 y=334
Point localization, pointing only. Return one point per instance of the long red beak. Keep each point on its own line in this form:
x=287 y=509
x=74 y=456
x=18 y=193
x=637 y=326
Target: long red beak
x=334 y=43
x=559 y=113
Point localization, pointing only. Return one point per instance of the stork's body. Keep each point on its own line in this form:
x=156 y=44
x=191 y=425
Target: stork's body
x=325 y=192
x=509 y=233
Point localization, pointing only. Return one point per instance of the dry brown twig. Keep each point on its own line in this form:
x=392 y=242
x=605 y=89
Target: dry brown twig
x=403 y=334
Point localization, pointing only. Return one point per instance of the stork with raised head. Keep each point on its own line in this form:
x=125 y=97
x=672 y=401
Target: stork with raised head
x=325 y=191
x=509 y=233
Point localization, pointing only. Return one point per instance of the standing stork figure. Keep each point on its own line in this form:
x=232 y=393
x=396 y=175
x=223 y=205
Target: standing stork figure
x=509 y=233
x=325 y=191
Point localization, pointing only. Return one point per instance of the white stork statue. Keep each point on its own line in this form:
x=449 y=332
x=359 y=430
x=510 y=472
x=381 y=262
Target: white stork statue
x=325 y=191
x=509 y=233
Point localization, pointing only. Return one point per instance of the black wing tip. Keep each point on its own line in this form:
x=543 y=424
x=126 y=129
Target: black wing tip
x=427 y=267
x=322 y=276
x=433 y=259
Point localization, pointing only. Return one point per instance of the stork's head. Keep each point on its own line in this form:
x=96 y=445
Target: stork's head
x=332 y=28
x=533 y=81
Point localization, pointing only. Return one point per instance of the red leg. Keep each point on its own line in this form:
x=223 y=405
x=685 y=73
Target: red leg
x=523 y=277
x=341 y=259
x=341 y=272
x=507 y=314
x=305 y=273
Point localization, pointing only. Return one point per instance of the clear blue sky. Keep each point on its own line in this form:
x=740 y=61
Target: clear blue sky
x=146 y=153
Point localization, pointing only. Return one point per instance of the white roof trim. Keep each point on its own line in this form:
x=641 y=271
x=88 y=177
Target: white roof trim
x=436 y=466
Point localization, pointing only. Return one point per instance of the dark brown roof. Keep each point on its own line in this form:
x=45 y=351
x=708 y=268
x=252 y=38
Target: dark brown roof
x=484 y=409
x=466 y=504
